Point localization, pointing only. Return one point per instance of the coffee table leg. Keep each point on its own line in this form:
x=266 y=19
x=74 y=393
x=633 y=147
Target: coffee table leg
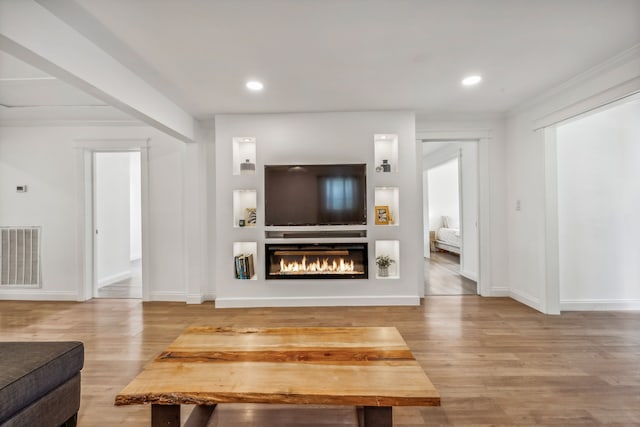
x=375 y=416
x=165 y=415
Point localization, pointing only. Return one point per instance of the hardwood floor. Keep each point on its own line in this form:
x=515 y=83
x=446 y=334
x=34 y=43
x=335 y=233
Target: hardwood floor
x=127 y=288
x=442 y=276
x=493 y=360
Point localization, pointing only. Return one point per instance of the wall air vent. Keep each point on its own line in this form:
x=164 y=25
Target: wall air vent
x=20 y=256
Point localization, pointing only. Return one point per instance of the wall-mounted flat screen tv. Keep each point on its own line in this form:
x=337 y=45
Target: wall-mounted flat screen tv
x=315 y=194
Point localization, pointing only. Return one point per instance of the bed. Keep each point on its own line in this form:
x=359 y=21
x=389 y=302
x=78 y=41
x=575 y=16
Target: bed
x=448 y=239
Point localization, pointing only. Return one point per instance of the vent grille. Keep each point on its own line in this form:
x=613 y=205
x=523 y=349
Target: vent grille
x=20 y=256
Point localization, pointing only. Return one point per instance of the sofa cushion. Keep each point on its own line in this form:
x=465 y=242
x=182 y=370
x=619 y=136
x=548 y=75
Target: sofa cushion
x=29 y=370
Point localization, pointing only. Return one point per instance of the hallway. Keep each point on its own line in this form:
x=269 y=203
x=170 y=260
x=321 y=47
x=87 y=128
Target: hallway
x=442 y=276
x=127 y=288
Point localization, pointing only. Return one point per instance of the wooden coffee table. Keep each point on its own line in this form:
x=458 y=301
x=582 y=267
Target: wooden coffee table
x=370 y=368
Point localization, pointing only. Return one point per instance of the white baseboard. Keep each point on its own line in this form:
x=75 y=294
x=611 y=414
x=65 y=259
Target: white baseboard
x=527 y=300
x=199 y=298
x=318 y=301
x=37 y=295
x=123 y=275
x=499 y=292
x=194 y=299
x=168 y=296
x=599 y=305
x=470 y=276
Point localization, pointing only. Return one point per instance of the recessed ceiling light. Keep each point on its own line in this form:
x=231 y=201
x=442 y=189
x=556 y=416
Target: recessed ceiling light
x=254 y=85
x=471 y=80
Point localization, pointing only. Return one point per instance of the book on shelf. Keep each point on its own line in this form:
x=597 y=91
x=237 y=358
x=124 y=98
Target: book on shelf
x=244 y=266
x=250 y=265
x=238 y=266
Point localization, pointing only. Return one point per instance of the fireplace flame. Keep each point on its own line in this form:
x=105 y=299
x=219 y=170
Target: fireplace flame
x=317 y=267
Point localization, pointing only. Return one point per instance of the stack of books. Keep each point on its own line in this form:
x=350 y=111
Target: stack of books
x=244 y=266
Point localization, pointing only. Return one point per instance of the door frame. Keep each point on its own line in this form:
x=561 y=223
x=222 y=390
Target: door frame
x=482 y=138
x=457 y=155
x=86 y=150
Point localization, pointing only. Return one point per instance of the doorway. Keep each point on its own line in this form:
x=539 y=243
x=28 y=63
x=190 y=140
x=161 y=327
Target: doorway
x=450 y=212
x=598 y=204
x=117 y=219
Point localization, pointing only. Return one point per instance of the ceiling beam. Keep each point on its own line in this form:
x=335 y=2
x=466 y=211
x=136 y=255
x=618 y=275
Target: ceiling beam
x=31 y=33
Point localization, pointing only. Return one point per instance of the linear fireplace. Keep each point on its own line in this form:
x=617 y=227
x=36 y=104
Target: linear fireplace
x=316 y=261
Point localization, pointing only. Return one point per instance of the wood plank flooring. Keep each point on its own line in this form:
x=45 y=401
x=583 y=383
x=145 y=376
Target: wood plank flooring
x=127 y=288
x=493 y=360
x=442 y=276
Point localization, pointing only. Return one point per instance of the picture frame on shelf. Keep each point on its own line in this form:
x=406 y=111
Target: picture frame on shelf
x=250 y=217
x=383 y=216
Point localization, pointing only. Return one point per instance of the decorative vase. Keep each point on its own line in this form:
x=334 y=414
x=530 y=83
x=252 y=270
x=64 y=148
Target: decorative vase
x=383 y=271
x=386 y=167
x=247 y=167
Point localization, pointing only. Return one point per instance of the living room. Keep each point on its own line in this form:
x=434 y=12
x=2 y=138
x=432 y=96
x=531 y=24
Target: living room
x=115 y=99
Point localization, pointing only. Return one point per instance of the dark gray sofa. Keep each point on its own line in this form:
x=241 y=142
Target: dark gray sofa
x=40 y=383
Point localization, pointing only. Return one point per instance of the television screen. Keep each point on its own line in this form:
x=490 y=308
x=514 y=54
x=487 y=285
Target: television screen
x=315 y=194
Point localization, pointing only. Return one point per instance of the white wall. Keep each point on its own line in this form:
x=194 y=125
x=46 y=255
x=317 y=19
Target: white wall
x=47 y=160
x=167 y=209
x=135 y=204
x=43 y=160
x=530 y=275
x=599 y=209
x=444 y=194
x=319 y=138
x=112 y=214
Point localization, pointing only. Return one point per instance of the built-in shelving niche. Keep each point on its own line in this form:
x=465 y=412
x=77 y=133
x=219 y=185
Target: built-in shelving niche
x=390 y=248
x=386 y=153
x=244 y=208
x=244 y=155
x=389 y=198
x=245 y=260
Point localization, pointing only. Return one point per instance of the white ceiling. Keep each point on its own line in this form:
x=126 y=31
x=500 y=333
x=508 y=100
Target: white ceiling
x=28 y=94
x=354 y=55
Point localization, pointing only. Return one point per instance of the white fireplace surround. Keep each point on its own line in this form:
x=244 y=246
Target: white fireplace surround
x=318 y=138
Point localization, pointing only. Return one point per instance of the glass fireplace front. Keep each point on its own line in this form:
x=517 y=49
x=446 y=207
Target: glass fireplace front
x=316 y=261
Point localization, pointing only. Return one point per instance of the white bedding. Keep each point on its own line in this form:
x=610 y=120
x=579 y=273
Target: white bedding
x=450 y=236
